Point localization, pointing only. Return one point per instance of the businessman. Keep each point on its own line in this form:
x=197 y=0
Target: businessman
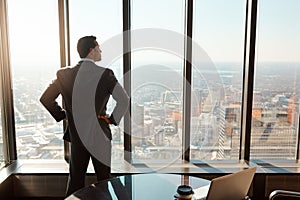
x=86 y=89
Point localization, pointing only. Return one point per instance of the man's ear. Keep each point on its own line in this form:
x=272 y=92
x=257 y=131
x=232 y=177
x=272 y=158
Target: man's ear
x=90 y=50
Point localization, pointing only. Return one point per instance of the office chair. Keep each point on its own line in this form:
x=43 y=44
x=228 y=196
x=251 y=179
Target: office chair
x=284 y=195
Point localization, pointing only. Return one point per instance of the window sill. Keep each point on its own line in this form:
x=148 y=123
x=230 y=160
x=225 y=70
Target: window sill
x=178 y=167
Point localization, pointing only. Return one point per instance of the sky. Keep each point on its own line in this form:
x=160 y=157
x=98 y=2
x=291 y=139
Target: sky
x=218 y=27
x=279 y=30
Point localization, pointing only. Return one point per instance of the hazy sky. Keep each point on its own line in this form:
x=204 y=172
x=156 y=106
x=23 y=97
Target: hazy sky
x=279 y=30
x=218 y=27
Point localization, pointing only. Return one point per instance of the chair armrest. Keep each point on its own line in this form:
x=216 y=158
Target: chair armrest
x=284 y=193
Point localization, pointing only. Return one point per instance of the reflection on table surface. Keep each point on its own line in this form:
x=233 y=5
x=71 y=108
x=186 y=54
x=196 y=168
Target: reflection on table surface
x=138 y=187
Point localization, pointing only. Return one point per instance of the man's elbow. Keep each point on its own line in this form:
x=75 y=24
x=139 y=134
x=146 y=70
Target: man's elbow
x=43 y=100
x=125 y=103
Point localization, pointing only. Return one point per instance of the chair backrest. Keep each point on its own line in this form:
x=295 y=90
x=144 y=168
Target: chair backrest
x=233 y=186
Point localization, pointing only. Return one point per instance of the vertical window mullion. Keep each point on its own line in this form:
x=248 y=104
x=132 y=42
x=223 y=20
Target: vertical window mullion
x=67 y=34
x=187 y=81
x=64 y=43
x=249 y=63
x=127 y=76
x=9 y=136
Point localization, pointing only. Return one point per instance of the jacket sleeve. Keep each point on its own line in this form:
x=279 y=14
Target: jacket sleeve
x=119 y=95
x=48 y=99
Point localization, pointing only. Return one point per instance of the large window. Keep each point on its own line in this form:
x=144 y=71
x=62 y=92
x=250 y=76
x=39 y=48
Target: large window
x=218 y=32
x=102 y=19
x=275 y=113
x=157 y=73
x=157 y=80
x=34 y=48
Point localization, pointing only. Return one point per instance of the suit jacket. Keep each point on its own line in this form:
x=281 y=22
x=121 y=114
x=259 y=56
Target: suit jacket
x=64 y=85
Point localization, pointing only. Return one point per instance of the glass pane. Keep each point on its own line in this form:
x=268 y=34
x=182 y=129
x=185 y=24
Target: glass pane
x=104 y=20
x=157 y=69
x=218 y=33
x=34 y=42
x=275 y=111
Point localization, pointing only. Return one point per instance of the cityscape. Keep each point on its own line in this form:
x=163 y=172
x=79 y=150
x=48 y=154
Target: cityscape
x=157 y=102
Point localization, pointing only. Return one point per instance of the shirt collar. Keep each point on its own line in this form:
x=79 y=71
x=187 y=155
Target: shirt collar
x=87 y=59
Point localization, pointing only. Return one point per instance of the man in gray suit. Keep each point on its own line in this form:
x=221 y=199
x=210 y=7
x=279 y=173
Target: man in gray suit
x=86 y=89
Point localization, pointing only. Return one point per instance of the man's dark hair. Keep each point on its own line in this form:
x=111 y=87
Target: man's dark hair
x=85 y=44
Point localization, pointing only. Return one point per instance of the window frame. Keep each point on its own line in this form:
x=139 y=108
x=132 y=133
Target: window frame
x=7 y=109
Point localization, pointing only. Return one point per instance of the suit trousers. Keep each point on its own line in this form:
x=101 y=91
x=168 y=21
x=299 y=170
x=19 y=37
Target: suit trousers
x=78 y=165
